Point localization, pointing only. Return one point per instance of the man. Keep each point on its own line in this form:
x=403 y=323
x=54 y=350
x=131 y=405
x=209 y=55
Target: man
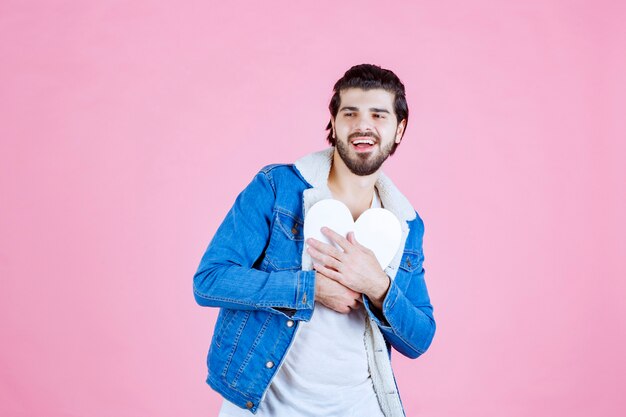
x=306 y=328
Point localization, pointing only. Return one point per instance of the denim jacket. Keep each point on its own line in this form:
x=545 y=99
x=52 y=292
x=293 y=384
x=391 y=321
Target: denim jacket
x=256 y=271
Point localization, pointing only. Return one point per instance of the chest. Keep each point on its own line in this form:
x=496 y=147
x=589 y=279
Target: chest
x=358 y=206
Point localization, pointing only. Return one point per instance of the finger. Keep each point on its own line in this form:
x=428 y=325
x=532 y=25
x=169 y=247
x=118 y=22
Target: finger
x=337 y=238
x=352 y=239
x=325 y=248
x=343 y=310
x=324 y=259
x=334 y=275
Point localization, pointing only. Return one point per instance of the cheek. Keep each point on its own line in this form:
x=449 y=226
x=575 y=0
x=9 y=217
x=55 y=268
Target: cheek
x=342 y=131
x=388 y=132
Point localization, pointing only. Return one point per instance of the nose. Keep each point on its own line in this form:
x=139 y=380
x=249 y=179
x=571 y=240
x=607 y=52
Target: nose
x=363 y=124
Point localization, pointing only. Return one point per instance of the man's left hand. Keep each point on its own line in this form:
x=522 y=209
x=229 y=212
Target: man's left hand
x=356 y=267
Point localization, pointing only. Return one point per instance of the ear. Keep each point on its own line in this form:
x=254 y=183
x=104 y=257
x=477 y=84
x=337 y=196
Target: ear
x=400 y=130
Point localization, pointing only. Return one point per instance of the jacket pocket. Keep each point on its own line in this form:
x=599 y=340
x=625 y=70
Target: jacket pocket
x=284 y=250
x=412 y=260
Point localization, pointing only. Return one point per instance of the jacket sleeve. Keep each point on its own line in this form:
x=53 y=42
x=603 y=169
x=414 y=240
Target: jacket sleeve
x=406 y=319
x=226 y=277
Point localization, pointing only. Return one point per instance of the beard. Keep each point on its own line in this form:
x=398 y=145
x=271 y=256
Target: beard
x=362 y=164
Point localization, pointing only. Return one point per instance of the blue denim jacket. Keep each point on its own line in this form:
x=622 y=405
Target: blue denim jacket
x=256 y=272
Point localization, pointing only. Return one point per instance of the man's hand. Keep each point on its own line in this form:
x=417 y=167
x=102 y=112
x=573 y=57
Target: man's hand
x=356 y=267
x=334 y=295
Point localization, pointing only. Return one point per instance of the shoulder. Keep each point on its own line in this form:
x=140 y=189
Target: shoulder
x=267 y=169
x=416 y=233
x=417 y=222
x=281 y=175
x=278 y=169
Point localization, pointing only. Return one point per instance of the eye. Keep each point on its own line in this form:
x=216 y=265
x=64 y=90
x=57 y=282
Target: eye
x=348 y=114
x=378 y=116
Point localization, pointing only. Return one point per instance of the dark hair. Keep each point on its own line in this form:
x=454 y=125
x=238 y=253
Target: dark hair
x=368 y=77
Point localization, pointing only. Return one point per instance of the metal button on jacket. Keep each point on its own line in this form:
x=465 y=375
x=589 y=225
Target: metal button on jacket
x=269 y=364
x=249 y=404
x=289 y=323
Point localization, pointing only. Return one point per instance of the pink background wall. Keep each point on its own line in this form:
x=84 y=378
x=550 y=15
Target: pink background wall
x=128 y=130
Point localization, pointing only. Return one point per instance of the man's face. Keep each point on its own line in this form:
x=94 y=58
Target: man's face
x=366 y=129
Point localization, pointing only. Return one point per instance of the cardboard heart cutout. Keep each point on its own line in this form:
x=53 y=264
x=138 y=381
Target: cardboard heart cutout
x=377 y=229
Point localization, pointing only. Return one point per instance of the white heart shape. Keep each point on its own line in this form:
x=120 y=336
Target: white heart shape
x=377 y=229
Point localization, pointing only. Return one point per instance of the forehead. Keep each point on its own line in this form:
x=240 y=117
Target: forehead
x=357 y=97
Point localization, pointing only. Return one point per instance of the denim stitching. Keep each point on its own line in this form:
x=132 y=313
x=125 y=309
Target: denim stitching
x=399 y=336
x=235 y=343
x=298 y=278
x=288 y=233
x=245 y=394
x=277 y=268
x=226 y=322
x=290 y=214
x=232 y=300
x=238 y=302
x=414 y=256
x=266 y=170
x=281 y=333
x=269 y=250
x=251 y=351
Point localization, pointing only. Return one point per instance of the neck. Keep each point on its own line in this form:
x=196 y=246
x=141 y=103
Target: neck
x=349 y=187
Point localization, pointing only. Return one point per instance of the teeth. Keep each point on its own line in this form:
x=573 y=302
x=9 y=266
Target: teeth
x=368 y=141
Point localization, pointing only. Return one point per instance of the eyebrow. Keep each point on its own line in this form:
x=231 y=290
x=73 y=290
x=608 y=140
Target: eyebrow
x=372 y=109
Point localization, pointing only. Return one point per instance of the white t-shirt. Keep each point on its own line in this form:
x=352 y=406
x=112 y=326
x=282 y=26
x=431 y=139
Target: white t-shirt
x=325 y=373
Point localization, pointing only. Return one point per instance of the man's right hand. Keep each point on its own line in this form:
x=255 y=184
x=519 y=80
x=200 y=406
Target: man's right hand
x=336 y=296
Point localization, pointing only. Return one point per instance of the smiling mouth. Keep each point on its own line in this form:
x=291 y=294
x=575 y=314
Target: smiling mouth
x=363 y=143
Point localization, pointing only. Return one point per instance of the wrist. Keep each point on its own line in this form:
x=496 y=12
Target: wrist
x=316 y=286
x=378 y=296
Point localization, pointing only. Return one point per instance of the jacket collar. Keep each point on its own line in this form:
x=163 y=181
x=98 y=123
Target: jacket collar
x=315 y=168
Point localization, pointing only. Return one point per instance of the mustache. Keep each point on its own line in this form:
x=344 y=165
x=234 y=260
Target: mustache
x=364 y=134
